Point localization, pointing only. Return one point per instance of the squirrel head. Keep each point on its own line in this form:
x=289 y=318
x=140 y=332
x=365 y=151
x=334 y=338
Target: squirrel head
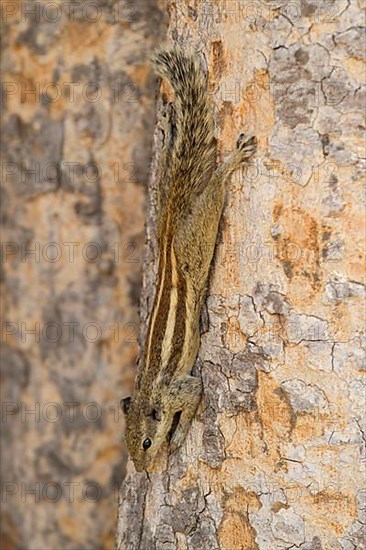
x=147 y=427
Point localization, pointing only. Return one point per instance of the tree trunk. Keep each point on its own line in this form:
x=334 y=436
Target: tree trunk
x=274 y=457
x=78 y=101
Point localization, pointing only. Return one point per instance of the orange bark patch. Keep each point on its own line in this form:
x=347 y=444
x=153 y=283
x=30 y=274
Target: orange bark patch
x=334 y=509
x=275 y=412
x=235 y=530
x=10 y=537
x=298 y=245
x=94 y=42
x=310 y=426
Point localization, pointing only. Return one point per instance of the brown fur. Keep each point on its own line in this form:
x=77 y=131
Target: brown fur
x=191 y=194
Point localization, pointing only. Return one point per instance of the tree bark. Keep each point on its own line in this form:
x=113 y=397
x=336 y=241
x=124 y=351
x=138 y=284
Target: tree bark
x=78 y=113
x=274 y=457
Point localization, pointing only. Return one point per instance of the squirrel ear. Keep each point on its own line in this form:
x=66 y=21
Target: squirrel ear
x=156 y=413
x=125 y=404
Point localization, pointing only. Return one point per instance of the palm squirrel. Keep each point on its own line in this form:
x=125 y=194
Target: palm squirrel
x=191 y=192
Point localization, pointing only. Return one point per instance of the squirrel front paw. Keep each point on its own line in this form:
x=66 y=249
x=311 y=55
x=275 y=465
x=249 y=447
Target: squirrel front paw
x=178 y=437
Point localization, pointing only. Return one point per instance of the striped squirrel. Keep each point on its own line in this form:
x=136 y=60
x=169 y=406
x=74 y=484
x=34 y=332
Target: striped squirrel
x=191 y=194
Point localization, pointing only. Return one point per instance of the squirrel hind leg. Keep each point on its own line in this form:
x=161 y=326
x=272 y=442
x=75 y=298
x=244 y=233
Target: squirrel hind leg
x=247 y=145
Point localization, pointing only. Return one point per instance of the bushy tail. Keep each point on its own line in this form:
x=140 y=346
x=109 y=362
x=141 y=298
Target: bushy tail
x=194 y=148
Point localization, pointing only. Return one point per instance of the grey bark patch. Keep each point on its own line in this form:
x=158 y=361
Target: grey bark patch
x=146 y=11
x=333 y=251
x=355 y=538
x=297 y=111
x=76 y=421
x=242 y=377
x=134 y=286
x=309 y=7
x=204 y=536
x=275 y=302
x=90 y=207
x=141 y=155
x=285 y=143
x=95 y=72
x=213 y=445
x=349 y=358
x=84 y=181
x=229 y=388
x=307 y=327
x=53 y=339
x=301 y=56
x=339 y=90
x=361 y=506
x=185 y=513
x=270 y=345
x=338 y=288
x=75 y=357
x=121 y=84
x=315 y=544
x=164 y=536
x=361 y=499
x=288 y=526
x=352 y=41
x=210 y=351
x=131 y=509
x=204 y=320
x=319 y=354
x=39 y=35
x=93 y=121
x=325 y=125
x=305 y=397
x=15 y=369
x=296 y=70
x=52 y=460
x=212 y=379
x=35 y=148
x=249 y=319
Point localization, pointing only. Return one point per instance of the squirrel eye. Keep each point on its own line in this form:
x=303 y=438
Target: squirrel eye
x=146 y=444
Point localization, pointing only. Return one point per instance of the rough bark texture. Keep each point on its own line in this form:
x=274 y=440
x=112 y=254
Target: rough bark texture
x=79 y=104
x=274 y=458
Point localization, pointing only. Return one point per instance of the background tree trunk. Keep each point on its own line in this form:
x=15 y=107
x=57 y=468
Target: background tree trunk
x=78 y=101
x=274 y=457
